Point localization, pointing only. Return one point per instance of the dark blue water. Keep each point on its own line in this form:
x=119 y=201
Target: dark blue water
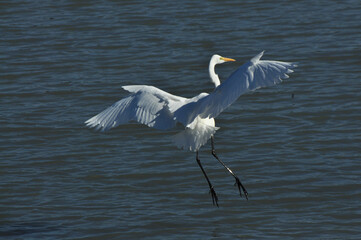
x=299 y=157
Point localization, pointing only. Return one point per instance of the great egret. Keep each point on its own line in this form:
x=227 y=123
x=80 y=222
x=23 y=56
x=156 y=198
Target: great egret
x=161 y=110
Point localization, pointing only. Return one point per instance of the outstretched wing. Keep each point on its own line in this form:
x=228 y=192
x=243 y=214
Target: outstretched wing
x=147 y=105
x=250 y=76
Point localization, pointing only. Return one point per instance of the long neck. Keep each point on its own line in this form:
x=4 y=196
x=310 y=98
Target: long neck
x=212 y=74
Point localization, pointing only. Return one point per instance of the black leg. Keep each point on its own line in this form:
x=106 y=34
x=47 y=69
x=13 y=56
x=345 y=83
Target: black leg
x=238 y=182
x=212 y=192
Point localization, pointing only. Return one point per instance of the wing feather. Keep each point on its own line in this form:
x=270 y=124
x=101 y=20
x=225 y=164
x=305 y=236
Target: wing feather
x=250 y=76
x=147 y=105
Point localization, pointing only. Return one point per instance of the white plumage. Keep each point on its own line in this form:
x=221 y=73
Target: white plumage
x=161 y=110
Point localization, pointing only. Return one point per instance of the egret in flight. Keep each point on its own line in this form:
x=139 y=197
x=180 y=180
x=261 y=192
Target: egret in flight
x=161 y=110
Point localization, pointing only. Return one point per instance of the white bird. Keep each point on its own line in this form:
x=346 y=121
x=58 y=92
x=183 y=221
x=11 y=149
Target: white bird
x=161 y=110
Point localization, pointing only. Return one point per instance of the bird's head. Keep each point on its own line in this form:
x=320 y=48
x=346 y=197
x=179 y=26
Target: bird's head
x=216 y=59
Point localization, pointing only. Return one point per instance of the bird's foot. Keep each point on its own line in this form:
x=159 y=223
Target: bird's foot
x=214 y=196
x=241 y=188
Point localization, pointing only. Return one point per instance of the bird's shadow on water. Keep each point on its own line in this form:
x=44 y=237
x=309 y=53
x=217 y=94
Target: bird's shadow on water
x=17 y=229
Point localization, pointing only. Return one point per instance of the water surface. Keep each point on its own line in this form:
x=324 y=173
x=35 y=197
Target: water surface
x=299 y=157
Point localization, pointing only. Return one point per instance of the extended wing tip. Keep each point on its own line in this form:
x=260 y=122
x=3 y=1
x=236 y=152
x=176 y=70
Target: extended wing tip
x=97 y=127
x=125 y=88
x=92 y=123
x=257 y=57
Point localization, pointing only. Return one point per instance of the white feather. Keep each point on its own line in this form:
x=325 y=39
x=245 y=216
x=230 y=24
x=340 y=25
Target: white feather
x=250 y=76
x=161 y=110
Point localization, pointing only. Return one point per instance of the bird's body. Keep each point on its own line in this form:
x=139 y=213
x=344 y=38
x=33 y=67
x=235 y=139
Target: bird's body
x=161 y=110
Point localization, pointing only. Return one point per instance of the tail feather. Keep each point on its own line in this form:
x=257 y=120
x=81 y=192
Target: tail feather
x=192 y=139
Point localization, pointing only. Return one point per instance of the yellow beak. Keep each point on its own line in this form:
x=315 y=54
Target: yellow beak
x=228 y=59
